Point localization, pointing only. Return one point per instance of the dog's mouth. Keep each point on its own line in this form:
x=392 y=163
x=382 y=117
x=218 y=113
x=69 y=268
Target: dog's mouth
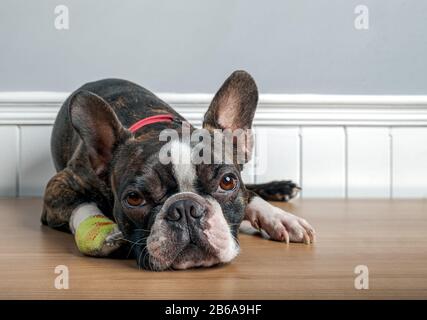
x=203 y=241
x=180 y=257
x=166 y=253
x=194 y=257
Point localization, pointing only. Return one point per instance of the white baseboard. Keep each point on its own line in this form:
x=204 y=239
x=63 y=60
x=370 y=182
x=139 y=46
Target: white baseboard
x=33 y=108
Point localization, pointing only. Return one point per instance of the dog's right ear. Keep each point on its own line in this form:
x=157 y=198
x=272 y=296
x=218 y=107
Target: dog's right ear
x=98 y=127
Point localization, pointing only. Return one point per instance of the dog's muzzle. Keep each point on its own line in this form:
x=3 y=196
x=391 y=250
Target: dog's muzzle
x=190 y=231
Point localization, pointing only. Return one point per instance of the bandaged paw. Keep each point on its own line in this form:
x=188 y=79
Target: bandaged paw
x=94 y=233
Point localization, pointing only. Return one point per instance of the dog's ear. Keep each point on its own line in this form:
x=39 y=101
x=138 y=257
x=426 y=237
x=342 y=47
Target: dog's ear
x=233 y=107
x=98 y=127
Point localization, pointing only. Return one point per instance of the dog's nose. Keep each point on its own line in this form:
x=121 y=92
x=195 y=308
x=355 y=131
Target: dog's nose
x=184 y=207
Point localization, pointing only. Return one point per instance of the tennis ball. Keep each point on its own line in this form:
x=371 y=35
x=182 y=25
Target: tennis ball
x=91 y=234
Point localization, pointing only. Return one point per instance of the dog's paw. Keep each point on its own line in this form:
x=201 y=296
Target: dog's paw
x=283 y=190
x=278 y=224
x=283 y=226
x=98 y=236
x=113 y=241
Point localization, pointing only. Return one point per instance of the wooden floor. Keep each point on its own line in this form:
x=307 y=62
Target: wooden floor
x=390 y=237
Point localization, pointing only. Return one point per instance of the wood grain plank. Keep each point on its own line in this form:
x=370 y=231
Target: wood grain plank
x=349 y=233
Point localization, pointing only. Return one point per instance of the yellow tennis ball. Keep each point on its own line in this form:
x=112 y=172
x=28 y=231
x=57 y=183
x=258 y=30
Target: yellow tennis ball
x=91 y=234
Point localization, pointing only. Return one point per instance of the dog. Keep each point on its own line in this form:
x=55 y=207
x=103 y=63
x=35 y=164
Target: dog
x=167 y=216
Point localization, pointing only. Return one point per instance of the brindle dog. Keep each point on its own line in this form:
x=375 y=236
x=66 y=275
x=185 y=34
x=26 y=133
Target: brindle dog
x=175 y=215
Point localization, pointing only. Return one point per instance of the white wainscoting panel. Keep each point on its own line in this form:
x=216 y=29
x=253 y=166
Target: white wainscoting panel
x=9 y=136
x=409 y=162
x=368 y=162
x=323 y=162
x=36 y=166
x=334 y=146
x=277 y=154
x=248 y=173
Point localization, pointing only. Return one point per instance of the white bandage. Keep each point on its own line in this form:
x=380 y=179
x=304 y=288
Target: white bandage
x=82 y=212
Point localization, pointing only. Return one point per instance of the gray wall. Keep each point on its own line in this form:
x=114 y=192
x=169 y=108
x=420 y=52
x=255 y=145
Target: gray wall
x=295 y=46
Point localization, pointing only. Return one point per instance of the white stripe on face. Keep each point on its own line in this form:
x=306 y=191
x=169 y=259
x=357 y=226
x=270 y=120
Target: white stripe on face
x=183 y=168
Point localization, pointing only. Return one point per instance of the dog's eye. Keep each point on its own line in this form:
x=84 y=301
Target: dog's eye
x=228 y=182
x=133 y=199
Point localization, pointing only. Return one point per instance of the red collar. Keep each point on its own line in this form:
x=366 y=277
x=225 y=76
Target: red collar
x=153 y=119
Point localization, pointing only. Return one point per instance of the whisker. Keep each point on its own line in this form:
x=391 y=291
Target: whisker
x=136 y=244
x=123 y=239
x=142 y=230
x=144 y=260
x=139 y=258
x=234 y=224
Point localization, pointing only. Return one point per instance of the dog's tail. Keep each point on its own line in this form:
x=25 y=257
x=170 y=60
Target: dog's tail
x=283 y=190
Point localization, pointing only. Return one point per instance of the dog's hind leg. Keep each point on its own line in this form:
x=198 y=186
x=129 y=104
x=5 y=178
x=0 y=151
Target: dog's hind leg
x=283 y=190
x=62 y=195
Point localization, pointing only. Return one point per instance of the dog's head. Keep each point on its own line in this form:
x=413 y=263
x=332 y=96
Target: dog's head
x=176 y=214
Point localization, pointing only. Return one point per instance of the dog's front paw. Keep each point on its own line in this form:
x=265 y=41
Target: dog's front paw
x=98 y=236
x=113 y=241
x=278 y=224
x=283 y=226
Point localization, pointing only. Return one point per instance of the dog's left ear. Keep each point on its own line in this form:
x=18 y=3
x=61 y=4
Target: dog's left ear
x=233 y=106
